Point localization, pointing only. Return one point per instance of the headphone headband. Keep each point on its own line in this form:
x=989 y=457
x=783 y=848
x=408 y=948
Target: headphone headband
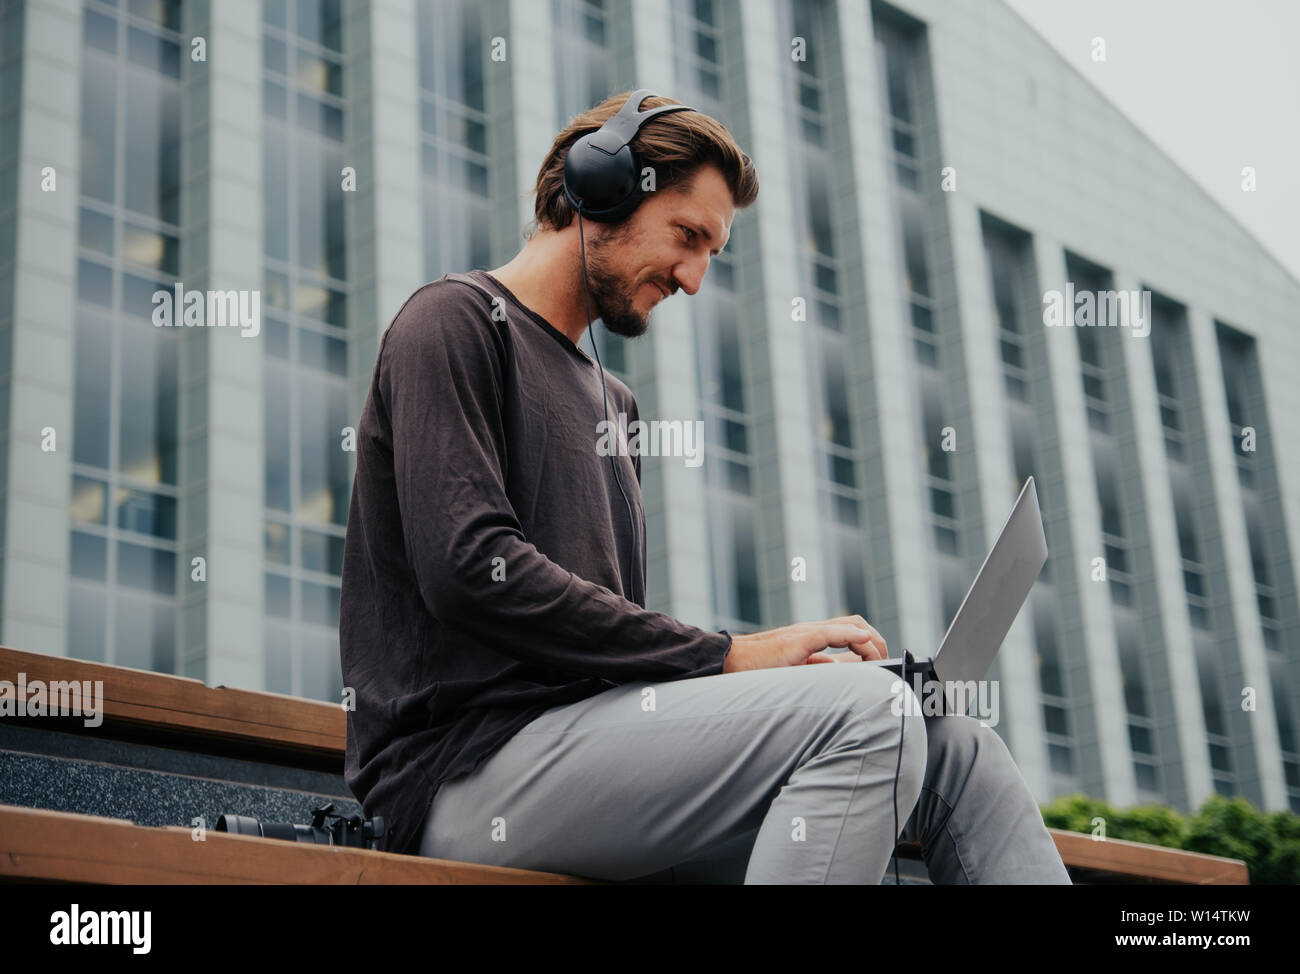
x=622 y=128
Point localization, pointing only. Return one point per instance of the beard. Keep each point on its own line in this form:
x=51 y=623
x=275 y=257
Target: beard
x=610 y=297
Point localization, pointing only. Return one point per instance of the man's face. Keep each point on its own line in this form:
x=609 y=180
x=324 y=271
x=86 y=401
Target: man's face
x=666 y=243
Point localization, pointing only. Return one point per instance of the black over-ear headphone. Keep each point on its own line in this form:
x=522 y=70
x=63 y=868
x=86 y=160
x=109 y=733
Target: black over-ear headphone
x=602 y=174
x=602 y=181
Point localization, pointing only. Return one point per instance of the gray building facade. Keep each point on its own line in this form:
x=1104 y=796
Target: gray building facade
x=869 y=355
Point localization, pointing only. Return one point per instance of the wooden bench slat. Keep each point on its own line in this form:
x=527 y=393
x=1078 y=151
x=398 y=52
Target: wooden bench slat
x=164 y=701
x=41 y=844
x=1150 y=861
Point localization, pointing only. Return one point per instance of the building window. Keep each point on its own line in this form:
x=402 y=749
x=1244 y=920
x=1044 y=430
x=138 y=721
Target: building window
x=126 y=408
x=454 y=136
x=306 y=293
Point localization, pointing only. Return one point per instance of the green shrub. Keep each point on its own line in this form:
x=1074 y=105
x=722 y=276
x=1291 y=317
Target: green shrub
x=1269 y=844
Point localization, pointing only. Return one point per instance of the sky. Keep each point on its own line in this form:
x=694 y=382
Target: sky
x=1214 y=83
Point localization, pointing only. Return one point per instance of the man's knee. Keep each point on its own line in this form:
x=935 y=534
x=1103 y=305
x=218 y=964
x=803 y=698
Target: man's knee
x=857 y=686
x=965 y=741
x=889 y=713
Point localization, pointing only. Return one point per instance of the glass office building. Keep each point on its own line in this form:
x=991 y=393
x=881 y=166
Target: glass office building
x=869 y=356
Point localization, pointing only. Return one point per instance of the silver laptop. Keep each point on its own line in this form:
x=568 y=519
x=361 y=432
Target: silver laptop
x=991 y=603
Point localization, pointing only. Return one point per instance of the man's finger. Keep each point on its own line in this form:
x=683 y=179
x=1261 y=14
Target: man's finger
x=869 y=648
x=864 y=641
x=861 y=623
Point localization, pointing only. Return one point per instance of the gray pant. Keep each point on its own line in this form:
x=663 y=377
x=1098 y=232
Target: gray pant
x=782 y=775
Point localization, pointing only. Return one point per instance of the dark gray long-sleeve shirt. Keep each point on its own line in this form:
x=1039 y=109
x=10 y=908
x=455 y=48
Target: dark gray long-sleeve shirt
x=486 y=573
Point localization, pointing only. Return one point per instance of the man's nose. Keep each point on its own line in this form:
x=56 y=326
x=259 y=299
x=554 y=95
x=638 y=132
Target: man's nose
x=690 y=274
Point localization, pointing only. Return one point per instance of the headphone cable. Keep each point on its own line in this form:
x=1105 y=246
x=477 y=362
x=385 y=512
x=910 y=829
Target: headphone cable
x=897 y=767
x=604 y=401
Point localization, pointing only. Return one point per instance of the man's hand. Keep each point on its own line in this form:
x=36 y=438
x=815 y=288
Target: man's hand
x=803 y=643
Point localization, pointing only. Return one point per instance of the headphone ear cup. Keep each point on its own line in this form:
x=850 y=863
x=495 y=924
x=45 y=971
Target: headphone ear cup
x=606 y=185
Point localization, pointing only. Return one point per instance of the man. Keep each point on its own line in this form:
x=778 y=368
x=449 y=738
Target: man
x=516 y=703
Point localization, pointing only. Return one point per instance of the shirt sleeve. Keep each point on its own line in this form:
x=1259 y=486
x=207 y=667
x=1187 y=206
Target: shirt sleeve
x=440 y=380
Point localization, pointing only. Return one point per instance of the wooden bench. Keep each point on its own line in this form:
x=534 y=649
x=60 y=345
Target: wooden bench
x=179 y=712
